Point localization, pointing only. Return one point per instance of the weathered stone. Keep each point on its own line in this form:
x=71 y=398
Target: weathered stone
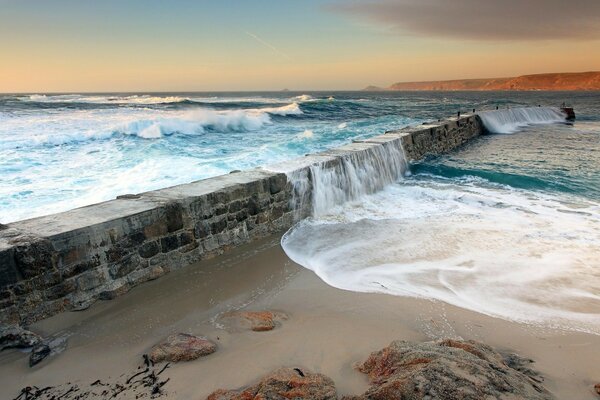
x=46 y=280
x=15 y=336
x=202 y=229
x=60 y=290
x=90 y=280
x=34 y=257
x=156 y=229
x=277 y=183
x=8 y=268
x=447 y=369
x=127 y=265
x=144 y=275
x=169 y=243
x=149 y=249
x=76 y=269
x=114 y=289
x=218 y=226
x=174 y=217
x=47 y=347
x=81 y=300
x=282 y=384
x=597 y=388
x=182 y=347
x=257 y=321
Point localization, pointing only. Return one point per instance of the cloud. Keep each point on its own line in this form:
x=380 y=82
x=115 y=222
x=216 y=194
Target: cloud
x=484 y=19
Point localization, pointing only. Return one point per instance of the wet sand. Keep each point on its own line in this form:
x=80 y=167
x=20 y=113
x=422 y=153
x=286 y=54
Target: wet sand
x=328 y=331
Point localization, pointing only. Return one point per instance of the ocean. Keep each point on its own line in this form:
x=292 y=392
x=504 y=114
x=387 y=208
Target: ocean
x=508 y=225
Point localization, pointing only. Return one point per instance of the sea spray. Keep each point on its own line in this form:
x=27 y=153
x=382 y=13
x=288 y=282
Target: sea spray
x=512 y=119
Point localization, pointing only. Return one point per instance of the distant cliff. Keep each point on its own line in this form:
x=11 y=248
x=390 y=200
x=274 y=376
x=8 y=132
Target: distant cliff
x=555 y=81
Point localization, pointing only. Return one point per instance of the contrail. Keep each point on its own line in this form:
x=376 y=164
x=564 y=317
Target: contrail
x=269 y=45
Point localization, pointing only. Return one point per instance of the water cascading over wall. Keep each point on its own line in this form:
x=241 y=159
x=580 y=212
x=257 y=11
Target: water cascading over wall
x=343 y=175
x=67 y=261
x=510 y=120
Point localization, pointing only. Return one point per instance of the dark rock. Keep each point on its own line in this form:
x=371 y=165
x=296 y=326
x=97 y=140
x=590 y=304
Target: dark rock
x=182 y=347
x=51 y=346
x=125 y=266
x=258 y=321
x=149 y=249
x=284 y=383
x=174 y=216
x=38 y=353
x=277 y=184
x=8 y=268
x=14 y=336
x=597 y=388
x=34 y=256
x=202 y=230
x=448 y=369
x=218 y=226
x=169 y=243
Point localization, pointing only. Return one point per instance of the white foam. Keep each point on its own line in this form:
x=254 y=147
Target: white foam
x=100 y=99
x=506 y=253
x=84 y=125
x=307 y=134
x=513 y=119
x=303 y=97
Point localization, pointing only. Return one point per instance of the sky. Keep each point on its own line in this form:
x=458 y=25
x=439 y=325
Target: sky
x=227 y=45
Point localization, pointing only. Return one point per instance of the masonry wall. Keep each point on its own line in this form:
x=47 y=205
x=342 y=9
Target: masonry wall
x=69 y=260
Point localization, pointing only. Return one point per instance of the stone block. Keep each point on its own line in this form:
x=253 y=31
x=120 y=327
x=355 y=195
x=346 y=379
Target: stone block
x=149 y=249
x=90 y=280
x=174 y=217
x=34 y=257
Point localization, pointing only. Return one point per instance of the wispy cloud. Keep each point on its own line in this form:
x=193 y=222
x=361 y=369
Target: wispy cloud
x=268 y=45
x=483 y=19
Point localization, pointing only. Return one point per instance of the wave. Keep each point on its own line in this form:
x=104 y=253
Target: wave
x=92 y=99
x=136 y=99
x=303 y=97
x=513 y=119
x=519 y=255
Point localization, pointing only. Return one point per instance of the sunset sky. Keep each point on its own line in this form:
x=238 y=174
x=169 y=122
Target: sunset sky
x=186 y=45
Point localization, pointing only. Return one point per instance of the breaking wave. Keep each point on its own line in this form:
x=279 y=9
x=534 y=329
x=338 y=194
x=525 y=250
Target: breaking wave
x=189 y=122
x=511 y=120
x=92 y=99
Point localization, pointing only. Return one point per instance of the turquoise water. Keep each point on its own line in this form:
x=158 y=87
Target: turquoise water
x=552 y=158
x=58 y=152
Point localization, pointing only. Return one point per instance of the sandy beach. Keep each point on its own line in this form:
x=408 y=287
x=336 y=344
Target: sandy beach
x=328 y=331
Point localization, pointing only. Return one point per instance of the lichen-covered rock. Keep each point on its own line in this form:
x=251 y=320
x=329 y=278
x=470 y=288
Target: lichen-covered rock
x=16 y=336
x=448 y=369
x=284 y=384
x=182 y=347
x=258 y=321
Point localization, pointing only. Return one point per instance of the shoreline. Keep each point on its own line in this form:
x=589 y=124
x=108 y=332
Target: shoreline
x=328 y=330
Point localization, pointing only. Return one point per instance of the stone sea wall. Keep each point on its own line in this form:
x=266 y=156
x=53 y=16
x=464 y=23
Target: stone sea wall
x=67 y=261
